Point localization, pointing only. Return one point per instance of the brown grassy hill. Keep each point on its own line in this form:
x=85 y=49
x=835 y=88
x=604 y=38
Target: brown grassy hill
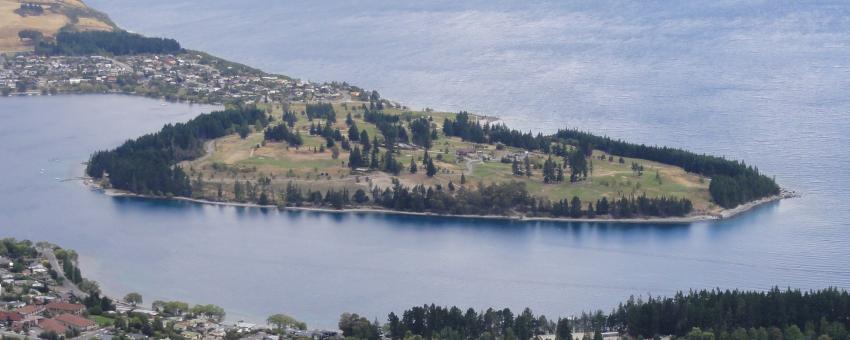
x=47 y=17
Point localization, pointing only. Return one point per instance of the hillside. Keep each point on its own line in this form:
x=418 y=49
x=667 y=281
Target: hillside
x=47 y=17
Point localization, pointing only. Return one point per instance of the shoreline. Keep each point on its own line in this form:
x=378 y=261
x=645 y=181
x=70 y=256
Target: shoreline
x=722 y=215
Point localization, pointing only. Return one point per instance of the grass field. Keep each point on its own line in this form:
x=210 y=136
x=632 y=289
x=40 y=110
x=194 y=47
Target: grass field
x=57 y=14
x=102 y=321
x=234 y=158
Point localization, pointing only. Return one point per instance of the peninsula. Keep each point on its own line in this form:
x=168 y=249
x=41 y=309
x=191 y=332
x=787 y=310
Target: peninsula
x=295 y=144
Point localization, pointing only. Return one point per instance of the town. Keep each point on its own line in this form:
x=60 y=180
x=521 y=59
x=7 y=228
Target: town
x=191 y=77
x=44 y=295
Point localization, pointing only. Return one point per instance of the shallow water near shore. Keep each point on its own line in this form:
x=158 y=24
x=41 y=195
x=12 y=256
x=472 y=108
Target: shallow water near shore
x=708 y=77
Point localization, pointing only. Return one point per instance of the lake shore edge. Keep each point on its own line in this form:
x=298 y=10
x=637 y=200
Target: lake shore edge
x=723 y=214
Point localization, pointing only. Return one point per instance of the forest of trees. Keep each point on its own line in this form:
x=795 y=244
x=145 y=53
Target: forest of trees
x=281 y=133
x=822 y=312
x=321 y=111
x=389 y=125
x=732 y=183
x=147 y=165
x=491 y=199
x=623 y=207
x=436 y=322
x=697 y=315
x=106 y=42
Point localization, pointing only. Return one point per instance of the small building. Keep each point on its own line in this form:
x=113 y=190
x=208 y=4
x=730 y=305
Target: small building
x=10 y=316
x=57 y=308
x=38 y=269
x=243 y=326
x=30 y=310
x=50 y=325
x=76 y=322
x=465 y=152
x=29 y=321
x=610 y=335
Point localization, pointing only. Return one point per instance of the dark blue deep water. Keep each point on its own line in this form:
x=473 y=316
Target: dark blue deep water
x=763 y=81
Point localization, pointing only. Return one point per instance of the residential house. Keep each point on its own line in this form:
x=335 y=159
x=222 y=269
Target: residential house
x=28 y=321
x=10 y=316
x=50 y=325
x=57 y=308
x=465 y=152
x=30 y=310
x=38 y=269
x=243 y=326
x=76 y=322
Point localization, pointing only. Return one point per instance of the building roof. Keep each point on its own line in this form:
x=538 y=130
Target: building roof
x=74 y=320
x=50 y=325
x=29 y=309
x=64 y=306
x=11 y=316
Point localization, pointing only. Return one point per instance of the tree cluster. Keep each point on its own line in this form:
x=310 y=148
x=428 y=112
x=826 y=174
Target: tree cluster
x=321 y=111
x=623 y=207
x=733 y=182
x=731 y=312
x=737 y=182
x=436 y=322
x=147 y=165
x=281 y=133
x=106 y=42
x=421 y=133
x=389 y=125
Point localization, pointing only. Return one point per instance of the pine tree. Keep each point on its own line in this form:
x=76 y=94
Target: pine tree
x=355 y=158
x=575 y=207
x=430 y=169
x=375 y=162
x=237 y=191
x=353 y=132
x=413 y=168
x=364 y=138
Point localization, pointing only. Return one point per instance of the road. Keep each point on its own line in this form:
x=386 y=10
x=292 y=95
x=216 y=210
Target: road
x=12 y=335
x=97 y=334
x=67 y=285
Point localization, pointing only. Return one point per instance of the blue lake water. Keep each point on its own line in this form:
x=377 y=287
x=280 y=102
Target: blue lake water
x=765 y=82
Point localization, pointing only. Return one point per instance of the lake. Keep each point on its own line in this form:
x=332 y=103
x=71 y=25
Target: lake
x=763 y=82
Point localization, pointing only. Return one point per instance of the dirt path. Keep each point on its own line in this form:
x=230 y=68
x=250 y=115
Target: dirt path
x=470 y=166
x=209 y=148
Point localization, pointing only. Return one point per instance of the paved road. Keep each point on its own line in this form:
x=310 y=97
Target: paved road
x=13 y=335
x=67 y=285
x=97 y=334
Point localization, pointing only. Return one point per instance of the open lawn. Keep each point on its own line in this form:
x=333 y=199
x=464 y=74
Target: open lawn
x=102 y=321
